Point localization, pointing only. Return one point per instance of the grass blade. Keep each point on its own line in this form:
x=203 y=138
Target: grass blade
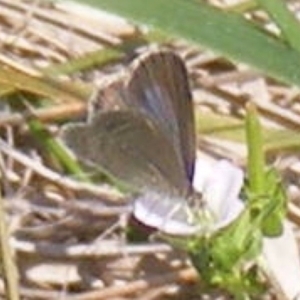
x=225 y=33
x=8 y=264
x=284 y=19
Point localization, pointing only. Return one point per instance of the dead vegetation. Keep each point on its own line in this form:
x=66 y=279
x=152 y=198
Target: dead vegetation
x=69 y=237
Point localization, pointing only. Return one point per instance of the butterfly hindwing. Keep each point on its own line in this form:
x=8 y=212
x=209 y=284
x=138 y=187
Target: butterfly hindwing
x=130 y=147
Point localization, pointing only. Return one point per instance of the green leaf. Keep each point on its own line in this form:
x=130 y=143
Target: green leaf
x=221 y=259
x=286 y=21
x=276 y=206
x=223 y=32
x=237 y=243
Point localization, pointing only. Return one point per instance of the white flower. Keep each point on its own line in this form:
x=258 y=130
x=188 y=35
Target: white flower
x=219 y=183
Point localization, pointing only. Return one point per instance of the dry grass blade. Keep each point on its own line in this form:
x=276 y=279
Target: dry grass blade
x=139 y=285
x=11 y=276
x=50 y=175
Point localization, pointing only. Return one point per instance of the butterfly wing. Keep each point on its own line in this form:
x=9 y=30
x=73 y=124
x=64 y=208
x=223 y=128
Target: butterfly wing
x=169 y=214
x=159 y=88
x=130 y=147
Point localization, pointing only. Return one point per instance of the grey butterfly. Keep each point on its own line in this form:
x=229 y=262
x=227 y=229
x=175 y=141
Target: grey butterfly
x=149 y=143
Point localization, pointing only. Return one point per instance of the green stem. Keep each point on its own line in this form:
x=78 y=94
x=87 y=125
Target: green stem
x=256 y=161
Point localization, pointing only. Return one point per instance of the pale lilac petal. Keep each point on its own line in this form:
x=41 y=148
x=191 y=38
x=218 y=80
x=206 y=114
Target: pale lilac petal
x=236 y=208
x=203 y=169
x=222 y=190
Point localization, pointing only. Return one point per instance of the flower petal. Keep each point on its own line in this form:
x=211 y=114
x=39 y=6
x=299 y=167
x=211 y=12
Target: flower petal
x=203 y=169
x=222 y=189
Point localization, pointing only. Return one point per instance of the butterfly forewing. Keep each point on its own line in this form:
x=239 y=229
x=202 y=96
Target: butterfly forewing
x=159 y=87
x=130 y=147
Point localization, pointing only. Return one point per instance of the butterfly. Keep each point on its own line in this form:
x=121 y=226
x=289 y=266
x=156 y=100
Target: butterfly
x=149 y=143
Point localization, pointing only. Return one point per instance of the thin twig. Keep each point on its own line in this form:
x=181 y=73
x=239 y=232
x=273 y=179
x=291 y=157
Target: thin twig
x=107 y=248
x=106 y=192
x=187 y=275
